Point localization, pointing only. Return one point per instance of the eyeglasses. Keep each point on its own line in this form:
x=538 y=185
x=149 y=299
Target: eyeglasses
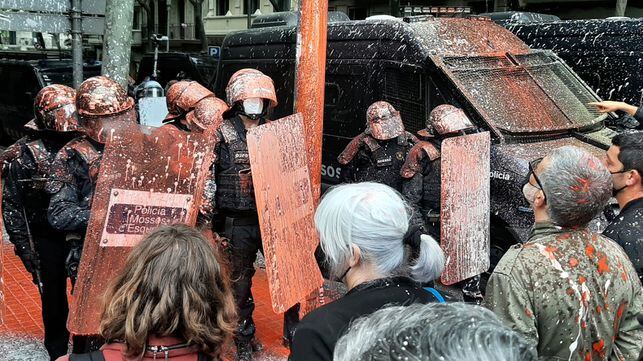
x=532 y=170
x=621 y=171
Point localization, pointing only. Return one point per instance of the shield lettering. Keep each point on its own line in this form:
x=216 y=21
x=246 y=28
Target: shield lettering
x=148 y=177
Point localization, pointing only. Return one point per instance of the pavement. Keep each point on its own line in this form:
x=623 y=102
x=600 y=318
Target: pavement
x=21 y=333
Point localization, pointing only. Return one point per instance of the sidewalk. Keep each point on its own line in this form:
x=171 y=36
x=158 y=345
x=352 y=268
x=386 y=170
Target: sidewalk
x=22 y=333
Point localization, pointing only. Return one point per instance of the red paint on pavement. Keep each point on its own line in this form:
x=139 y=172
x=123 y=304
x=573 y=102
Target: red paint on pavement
x=23 y=311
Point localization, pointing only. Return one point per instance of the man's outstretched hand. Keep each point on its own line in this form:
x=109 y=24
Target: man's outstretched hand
x=609 y=106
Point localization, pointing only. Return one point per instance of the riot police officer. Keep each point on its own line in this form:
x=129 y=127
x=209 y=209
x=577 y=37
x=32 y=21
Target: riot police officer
x=99 y=101
x=24 y=207
x=182 y=97
x=250 y=95
x=422 y=177
x=377 y=154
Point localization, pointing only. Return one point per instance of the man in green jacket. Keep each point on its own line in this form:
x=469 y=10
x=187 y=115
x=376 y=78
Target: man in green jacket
x=573 y=293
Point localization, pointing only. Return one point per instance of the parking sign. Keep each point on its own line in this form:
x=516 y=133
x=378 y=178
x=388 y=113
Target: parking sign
x=214 y=51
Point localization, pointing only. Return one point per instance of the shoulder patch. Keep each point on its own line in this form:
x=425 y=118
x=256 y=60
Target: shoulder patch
x=12 y=152
x=351 y=149
x=420 y=150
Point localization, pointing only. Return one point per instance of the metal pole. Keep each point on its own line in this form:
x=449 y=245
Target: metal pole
x=310 y=81
x=621 y=5
x=169 y=7
x=117 y=44
x=249 y=19
x=77 y=42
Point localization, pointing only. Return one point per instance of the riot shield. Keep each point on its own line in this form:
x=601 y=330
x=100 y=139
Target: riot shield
x=4 y=238
x=286 y=208
x=464 y=214
x=152 y=111
x=148 y=177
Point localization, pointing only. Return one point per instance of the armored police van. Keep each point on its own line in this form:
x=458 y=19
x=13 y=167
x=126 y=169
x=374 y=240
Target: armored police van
x=529 y=100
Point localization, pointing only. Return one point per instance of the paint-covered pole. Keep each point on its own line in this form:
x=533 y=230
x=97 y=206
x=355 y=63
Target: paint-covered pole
x=310 y=81
x=76 y=42
x=117 y=45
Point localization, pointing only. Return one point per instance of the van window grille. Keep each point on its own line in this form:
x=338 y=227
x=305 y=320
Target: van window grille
x=534 y=93
x=404 y=91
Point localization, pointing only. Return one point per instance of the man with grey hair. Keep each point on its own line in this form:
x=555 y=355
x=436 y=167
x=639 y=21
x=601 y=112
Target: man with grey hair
x=438 y=331
x=572 y=293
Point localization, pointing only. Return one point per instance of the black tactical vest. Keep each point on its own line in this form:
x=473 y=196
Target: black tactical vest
x=235 y=190
x=385 y=161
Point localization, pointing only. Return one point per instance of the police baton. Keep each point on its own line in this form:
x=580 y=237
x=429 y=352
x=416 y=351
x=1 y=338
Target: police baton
x=32 y=246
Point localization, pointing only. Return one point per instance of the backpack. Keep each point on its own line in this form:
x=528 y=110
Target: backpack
x=98 y=356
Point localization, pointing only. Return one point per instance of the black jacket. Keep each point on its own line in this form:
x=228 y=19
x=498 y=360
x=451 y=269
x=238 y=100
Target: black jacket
x=627 y=231
x=319 y=331
x=23 y=190
x=72 y=184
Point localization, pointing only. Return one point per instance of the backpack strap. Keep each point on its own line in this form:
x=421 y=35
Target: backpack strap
x=436 y=294
x=90 y=356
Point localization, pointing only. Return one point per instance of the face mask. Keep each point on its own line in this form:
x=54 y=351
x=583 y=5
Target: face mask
x=340 y=279
x=253 y=106
x=529 y=192
x=616 y=191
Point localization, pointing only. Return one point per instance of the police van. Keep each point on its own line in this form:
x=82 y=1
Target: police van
x=529 y=100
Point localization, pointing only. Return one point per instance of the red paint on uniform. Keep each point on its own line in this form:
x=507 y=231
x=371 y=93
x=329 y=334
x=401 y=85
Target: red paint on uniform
x=528 y=313
x=599 y=347
x=583 y=324
x=570 y=291
x=599 y=309
x=573 y=262
x=589 y=251
x=582 y=279
x=602 y=264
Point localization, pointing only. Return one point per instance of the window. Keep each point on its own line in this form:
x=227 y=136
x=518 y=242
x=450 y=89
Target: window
x=222 y=7
x=254 y=5
x=357 y=13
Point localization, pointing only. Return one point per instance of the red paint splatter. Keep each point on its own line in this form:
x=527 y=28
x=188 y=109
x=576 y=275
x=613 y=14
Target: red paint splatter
x=573 y=262
x=599 y=347
x=582 y=187
x=589 y=251
x=602 y=264
x=599 y=309
x=528 y=313
x=594 y=237
x=570 y=291
x=582 y=279
x=588 y=356
x=583 y=324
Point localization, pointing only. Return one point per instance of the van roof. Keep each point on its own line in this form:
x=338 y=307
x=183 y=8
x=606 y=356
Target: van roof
x=435 y=36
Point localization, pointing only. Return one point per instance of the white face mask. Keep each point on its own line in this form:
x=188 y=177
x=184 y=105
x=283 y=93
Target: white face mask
x=529 y=192
x=253 y=106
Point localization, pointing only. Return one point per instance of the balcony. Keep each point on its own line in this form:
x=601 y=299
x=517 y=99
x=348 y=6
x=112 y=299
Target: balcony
x=222 y=25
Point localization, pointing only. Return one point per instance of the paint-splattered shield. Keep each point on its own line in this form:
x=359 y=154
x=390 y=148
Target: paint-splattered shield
x=286 y=207
x=148 y=177
x=152 y=111
x=4 y=241
x=465 y=215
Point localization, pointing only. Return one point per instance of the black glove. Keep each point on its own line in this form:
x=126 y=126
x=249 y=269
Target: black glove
x=73 y=258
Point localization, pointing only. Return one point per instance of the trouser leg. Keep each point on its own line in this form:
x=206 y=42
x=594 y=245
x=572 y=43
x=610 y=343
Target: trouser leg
x=245 y=241
x=52 y=251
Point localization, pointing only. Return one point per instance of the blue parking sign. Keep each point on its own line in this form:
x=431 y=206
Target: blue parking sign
x=214 y=51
